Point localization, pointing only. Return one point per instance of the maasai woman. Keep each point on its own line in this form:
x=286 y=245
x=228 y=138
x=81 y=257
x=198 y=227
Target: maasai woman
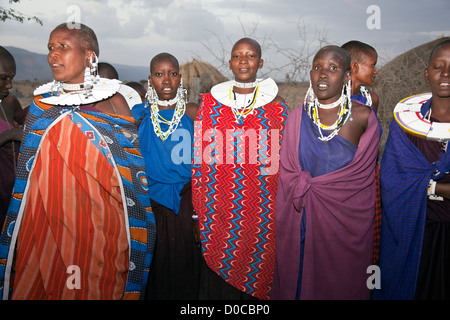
x=235 y=173
x=166 y=130
x=363 y=72
x=80 y=224
x=326 y=194
x=415 y=185
x=363 y=68
x=12 y=118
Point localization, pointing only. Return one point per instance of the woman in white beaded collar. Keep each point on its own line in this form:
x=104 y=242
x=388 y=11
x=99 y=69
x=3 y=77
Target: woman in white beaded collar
x=73 y=57
x=238 y=133
x=81 y=196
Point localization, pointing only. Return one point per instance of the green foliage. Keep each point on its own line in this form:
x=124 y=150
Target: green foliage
x=11 y=14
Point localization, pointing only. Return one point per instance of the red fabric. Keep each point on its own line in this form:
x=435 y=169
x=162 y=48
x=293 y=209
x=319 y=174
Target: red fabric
x=234 y=199
x=56 y=226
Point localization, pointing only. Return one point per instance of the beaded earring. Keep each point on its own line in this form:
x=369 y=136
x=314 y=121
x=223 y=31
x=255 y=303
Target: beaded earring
x=151 y=95
x=56 y=88
x=90 y=75
x=309 y=96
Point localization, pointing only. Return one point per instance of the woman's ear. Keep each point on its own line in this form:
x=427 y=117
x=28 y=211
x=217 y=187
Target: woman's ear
x=261 y=63
x=354 y=67
x=150 y=81
x=425 y=74
x=90 y=57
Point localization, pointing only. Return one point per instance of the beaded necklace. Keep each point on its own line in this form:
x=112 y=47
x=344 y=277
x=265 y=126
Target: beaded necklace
x=242 y=111
x=366 y=94
x=345 y=105
x=157 y=119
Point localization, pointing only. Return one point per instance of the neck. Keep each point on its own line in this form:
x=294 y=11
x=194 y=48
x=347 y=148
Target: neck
x=244 y=87
x=440 y=107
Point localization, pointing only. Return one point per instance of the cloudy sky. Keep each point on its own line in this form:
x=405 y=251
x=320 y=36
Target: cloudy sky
x=132 y=32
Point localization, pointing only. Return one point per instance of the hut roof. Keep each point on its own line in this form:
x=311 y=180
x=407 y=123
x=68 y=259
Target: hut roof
x=199 y=77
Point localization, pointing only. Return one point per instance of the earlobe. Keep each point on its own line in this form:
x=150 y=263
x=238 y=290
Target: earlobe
x=425 y=73
x=90 y=58
x=348 y=76
x=261 y=63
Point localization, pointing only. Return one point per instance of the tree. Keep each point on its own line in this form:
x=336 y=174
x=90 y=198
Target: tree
x=11 y=14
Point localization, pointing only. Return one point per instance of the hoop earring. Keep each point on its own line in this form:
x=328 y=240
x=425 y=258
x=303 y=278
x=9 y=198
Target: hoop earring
x=348 y=88
x=309 y=96
x=348 y=97
x=151 y=95
x=94 y=67
x=181 y=92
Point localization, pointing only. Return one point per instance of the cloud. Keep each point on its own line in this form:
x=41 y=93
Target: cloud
x=184 y=21
x=132 y=31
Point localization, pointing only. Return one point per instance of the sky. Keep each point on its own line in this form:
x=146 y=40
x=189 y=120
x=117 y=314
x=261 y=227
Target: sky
x=290 y=31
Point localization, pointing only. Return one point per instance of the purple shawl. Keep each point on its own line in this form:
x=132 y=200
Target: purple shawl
x=339 y=208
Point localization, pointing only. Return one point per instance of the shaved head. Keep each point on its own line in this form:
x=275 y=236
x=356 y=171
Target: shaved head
x=344 y=55
x=256 y=46
x=163 y=56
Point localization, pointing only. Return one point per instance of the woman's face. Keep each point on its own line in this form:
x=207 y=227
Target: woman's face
x=7 y=73
x=437 y=74
x=367 y=70
x=245 y=61
x=66 y=56
x=328 y=76
x=165 y=78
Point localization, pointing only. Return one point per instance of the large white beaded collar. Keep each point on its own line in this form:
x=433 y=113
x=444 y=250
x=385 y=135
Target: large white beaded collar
x=102 y=89
x=408 y=116
x=267 y=91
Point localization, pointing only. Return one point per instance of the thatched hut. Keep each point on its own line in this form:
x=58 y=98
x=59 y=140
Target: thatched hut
x=402 y=77
x=199 y=77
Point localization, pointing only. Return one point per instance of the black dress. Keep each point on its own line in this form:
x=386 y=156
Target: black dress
x=175 y=268
x=433 y=281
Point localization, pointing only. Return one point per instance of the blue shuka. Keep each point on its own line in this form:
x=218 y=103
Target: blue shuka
x=167 y=163
x=405 y=175
x=360 y=98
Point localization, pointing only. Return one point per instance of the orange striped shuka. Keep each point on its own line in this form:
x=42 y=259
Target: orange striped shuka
x=80 y=219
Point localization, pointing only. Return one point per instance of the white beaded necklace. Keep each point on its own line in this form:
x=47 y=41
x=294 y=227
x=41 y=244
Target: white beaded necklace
x=366 y=94
x=245 y=84
x=344 y=113
x=73 y=86
x=331 y=105
x=244 y=110
x=157 y=119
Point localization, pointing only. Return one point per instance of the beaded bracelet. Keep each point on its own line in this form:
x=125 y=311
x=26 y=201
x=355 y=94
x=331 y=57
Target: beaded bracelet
x=432 y=191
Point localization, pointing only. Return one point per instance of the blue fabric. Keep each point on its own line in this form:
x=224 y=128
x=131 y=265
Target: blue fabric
x=319 y=157
x=360 y=98
x=363 y=100
x=167 y=163
x=405 y=174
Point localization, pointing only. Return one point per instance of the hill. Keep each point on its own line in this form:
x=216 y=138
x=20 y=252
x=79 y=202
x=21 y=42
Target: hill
x=34 y=67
